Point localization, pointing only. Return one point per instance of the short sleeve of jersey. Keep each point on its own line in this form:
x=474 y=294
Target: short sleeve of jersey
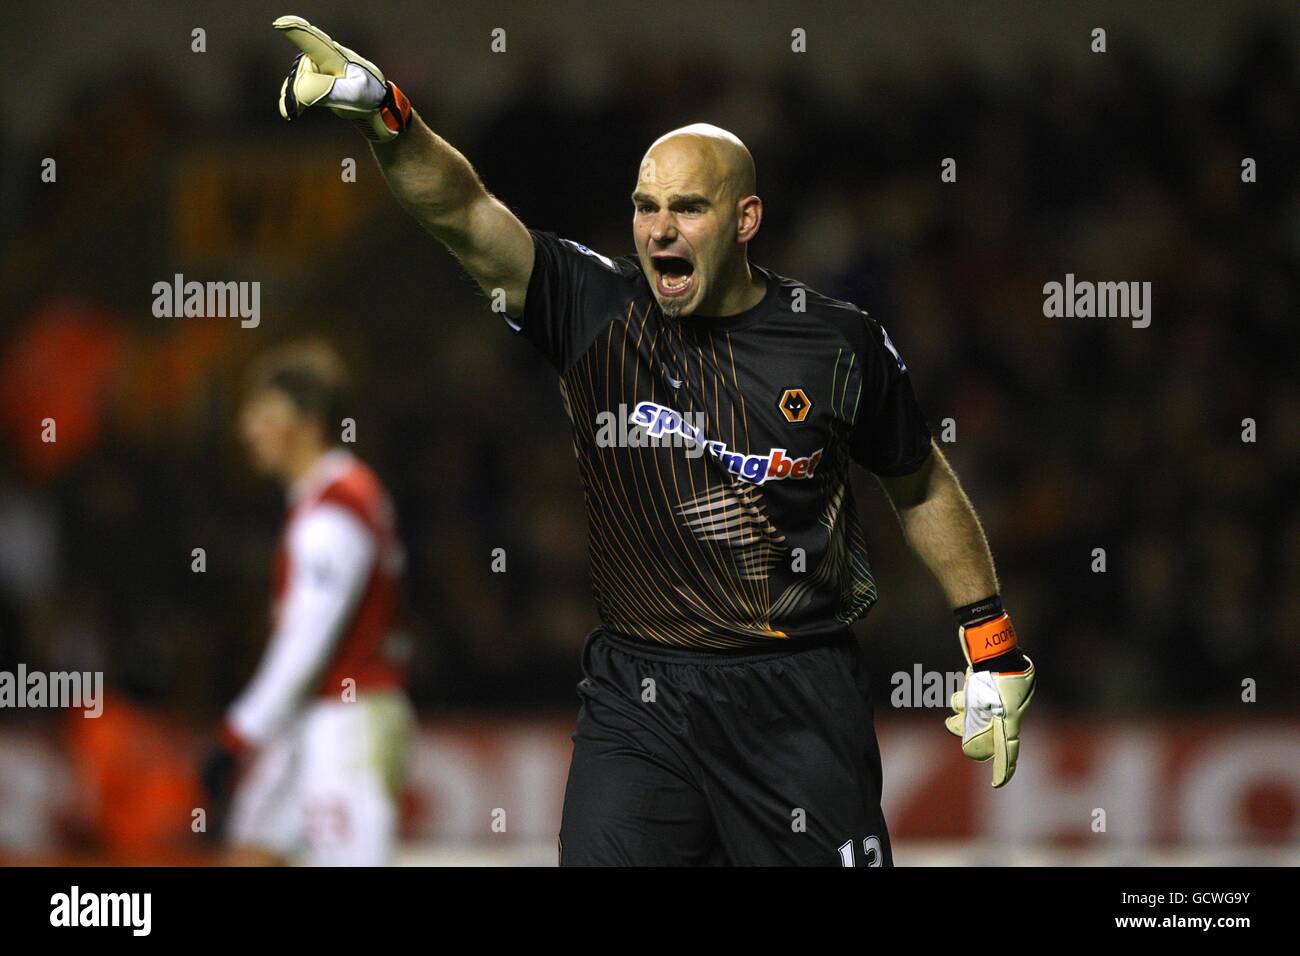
x=890 y=436
x=572 y=293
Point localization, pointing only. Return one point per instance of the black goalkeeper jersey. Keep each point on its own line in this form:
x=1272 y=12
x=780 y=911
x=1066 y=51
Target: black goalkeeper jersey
x=715 y=452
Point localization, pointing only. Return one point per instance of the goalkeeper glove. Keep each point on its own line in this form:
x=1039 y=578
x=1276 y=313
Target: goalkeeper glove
x=333 y=76
x=999 y=685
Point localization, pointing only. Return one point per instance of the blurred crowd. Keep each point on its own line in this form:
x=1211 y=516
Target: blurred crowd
x=1070 y=434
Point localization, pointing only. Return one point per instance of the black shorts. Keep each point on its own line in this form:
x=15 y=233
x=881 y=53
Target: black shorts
x=698 y=758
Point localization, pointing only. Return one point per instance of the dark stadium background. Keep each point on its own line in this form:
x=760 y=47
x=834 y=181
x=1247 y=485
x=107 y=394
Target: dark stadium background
x=1072 y=434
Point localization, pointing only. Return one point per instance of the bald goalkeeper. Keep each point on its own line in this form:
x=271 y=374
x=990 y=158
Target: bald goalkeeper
x=717 y=409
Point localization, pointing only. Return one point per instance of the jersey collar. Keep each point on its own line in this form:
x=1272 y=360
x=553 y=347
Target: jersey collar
x=729 y=323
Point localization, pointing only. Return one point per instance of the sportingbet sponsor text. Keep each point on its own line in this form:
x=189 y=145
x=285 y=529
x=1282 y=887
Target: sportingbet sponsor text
x=662 y=423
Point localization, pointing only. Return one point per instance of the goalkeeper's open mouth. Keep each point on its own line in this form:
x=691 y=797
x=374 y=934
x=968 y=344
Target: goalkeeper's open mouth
x=674 y=276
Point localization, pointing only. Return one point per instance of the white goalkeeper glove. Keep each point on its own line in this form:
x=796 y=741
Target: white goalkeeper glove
x=333 y=76
x=999 y=685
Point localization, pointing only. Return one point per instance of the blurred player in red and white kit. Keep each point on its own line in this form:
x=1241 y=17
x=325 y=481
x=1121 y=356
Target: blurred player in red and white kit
x=315 y=744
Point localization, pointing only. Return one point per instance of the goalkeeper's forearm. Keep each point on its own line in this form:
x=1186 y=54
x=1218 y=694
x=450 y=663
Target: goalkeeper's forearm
x=427 y=174
x=432 y=180
x=941 y=527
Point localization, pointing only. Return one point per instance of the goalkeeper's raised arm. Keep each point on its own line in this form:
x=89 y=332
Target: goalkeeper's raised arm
x=429 y=177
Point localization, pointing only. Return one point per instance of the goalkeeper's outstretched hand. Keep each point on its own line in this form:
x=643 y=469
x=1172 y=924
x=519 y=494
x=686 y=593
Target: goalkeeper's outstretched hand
x=331 y=75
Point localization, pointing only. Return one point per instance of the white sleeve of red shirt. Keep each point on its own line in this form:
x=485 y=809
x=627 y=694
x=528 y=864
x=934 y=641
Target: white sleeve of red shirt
x=331 y=553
